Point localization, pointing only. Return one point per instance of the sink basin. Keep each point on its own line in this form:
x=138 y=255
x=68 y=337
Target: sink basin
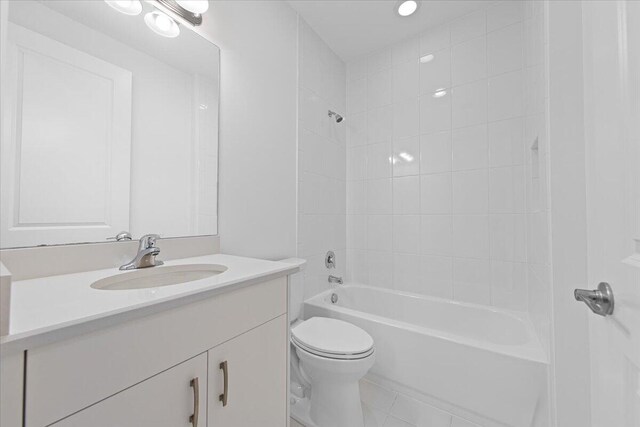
x=154 y=277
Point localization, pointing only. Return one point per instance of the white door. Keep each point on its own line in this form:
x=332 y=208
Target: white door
x=169 y=399
x=254 y=388
x=612 y=115
x=66 y=137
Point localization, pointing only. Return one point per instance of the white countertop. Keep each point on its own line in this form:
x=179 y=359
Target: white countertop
x=50 y=308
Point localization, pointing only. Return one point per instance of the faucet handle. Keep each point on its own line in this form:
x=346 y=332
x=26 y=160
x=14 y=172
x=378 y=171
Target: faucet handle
x=123 y=235
x=148 y=241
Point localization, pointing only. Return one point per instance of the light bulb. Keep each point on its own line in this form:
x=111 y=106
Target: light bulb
x=407 y=8
x=128 y=7
x=194 y=6
x=162 y=24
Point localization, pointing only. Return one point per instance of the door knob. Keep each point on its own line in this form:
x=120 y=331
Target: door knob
x=600 y=301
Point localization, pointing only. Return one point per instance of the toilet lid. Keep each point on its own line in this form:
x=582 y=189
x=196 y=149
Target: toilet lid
x=331 y=337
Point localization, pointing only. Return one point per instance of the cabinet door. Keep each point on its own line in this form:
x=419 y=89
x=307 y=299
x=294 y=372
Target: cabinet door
x=256 y=375
x=168 y=399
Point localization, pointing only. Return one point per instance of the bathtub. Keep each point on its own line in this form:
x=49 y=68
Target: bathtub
x=484 y=361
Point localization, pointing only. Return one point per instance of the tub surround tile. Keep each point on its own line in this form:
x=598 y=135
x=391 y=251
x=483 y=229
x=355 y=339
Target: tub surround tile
x=471 y=178
x=379 y=196
x=469 y=61
x=406 y=272
x=406 y=233
x=435 y=113
x=406 y=157
x=377 y=160
x=406 y=118
x=505 y=96
x=379 y=89
x=435 y=152
x=405 y=80
x=436 y=74
x=469 y=146
x=436 y=234
x=435 y=193
x=472 y=280
x=505 y=13
x=406 y=195
x=468 y=27
x=469 y=104
x=505 y=49
x=436 y=273
x=470 y=192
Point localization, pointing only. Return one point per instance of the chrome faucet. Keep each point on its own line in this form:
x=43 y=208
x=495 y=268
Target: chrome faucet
x=335 y=279
x=146 y=256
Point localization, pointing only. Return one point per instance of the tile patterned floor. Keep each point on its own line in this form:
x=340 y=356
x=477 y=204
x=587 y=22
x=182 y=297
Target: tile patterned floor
x=387 y=408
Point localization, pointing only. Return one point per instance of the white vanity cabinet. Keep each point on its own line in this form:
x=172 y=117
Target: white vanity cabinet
x=171 y=398
x=248 y=378
x=138 y=373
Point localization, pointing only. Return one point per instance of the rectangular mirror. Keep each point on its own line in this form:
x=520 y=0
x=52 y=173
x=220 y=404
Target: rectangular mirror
x=107 y=126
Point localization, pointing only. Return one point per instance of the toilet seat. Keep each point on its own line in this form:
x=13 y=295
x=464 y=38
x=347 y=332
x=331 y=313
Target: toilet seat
x=332 y=339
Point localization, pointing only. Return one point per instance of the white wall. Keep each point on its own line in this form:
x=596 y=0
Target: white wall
x=258 y=80
x=321 y=160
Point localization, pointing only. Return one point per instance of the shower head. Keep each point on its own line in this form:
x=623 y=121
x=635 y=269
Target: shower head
x=339 y=118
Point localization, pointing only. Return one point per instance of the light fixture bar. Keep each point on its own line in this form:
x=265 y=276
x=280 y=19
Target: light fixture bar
x=172 y=8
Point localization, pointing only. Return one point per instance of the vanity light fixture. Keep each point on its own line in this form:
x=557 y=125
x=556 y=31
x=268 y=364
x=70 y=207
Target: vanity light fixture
x=128 y=7
x=179 y=10
x=427 y=58
x=162 y=24
x=194 y=6
x=407 y=7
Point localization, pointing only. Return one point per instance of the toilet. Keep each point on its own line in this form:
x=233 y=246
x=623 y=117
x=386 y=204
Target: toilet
x=333 y=355
x=328 y=358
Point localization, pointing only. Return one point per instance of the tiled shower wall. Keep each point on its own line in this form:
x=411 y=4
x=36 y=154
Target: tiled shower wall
x=321 y=160
x=437 y=154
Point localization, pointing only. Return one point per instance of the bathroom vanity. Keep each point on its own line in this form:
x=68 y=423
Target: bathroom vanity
x=210 y=352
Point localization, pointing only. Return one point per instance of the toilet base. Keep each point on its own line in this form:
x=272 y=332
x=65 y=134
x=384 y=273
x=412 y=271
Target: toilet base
x=300 y=408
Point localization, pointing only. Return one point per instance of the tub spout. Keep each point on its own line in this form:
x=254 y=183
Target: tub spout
x=335 y=279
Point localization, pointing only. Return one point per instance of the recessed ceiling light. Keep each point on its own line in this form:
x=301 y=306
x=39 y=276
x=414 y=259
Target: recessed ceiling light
x=194 y=6
x=439 y=93
x=427 y=58
x=407 y=7
x=128 y=7
x=161 y=24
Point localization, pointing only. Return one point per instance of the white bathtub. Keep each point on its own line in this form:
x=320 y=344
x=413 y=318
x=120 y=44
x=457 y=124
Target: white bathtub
x=481 y=360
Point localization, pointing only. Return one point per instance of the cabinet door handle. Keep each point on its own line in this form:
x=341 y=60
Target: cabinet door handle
x=193 y=419
x=225 y=373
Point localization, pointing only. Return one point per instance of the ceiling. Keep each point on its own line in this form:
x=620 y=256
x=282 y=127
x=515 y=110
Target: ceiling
x=355 y=27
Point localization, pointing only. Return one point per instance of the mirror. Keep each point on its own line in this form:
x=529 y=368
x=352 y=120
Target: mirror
x=107 y=126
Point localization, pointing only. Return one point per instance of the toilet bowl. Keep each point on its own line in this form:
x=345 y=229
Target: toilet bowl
x=333 y=356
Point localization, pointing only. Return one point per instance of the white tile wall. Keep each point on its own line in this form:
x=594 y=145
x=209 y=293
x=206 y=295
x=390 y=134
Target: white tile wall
x=323 y=158
x=445 y=177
